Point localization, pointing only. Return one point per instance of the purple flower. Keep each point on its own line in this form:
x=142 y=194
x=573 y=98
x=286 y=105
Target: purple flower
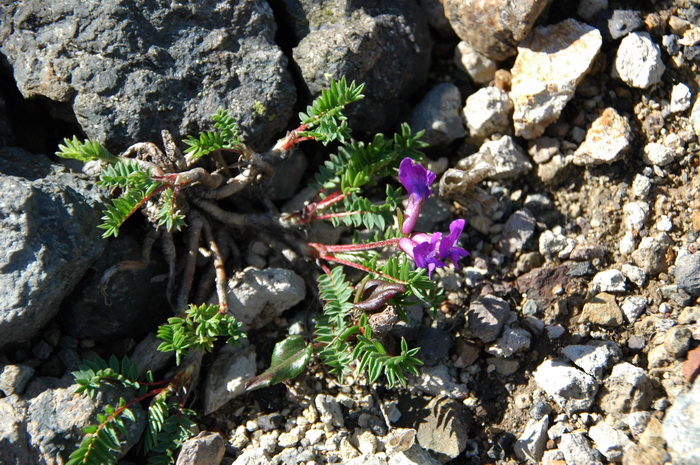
x=422 y=248
x=447 y=247
x=416 y=180
x=429 y=250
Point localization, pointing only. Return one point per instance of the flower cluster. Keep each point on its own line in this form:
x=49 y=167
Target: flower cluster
x=428 y=250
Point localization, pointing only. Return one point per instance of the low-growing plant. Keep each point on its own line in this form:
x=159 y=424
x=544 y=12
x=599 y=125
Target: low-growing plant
x=354 y=331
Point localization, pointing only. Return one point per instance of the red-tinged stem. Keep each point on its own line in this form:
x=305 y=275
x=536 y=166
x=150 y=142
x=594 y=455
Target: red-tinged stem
x=288 y=141
x=336 y=215
x=357 y=266
x=324 y=249
x=145 y=199
x=335 y=197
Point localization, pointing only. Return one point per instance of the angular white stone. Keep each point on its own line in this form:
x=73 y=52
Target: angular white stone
x=488 y=111
x=570 y=387
x=638 y=61
x=550 y=64
x=681 y=98
x=478 y=67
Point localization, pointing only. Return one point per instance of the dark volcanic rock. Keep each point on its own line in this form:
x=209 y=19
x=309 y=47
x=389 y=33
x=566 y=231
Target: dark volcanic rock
x=386 y=45
x=48 y=237
x=133 y=68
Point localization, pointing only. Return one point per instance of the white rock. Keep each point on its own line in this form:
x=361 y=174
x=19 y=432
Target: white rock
x=658 y=154
x=633 y=306
x=695 y=117
x=664 y=223
x=256 y=297
x=290 y=439
x=607 y=140
x=551 y=243
x=550 y=64
x=637 y=422
x=635 y=215
x=577 y=449
x=593 y=358
x=415 y=455
x=479 y=68
x=399 y=440
x=226 y=378
x=314 y=435
x=488 y=111
x=438 y=115
x=531 y=444
x=628 y=243
x=587 y=9
x=570 y=387
x=681 y=98
x=555 y=331
x=609 y=441
x=437 y=381
x=610 y=281
x=641 y=186
x=635 y=274
x=638 y=61
x=509 y=159
x=329 y=409
x=513 y=341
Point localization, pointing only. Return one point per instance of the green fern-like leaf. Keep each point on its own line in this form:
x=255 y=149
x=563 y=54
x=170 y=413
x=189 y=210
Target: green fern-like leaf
x=93 y=373
x=168 y=214
x=228 y=128
x=332 y=328
x=84 y=151
x=359 y=163
x=323 y=119
x=374 y=359
x=167 y=428
x=126 y=175
x=198 y=329
x=227 y=136
x=102 y=443
x=123 y=207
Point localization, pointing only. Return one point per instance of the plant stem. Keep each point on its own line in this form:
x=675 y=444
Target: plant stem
x=325 y=249
x=357 y=266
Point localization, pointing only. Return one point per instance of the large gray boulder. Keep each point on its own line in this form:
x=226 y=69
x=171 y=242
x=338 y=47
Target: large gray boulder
x=384 y=44
x=44 y=426
x=48 y=237
x=131 y=68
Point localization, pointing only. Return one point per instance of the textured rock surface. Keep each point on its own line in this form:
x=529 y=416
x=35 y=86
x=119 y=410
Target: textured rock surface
x=478 y=67
x=130 y=69
x=488 y=111
x=638 y=61
x=357 y=41
x=493 y=27
x=550 y=64
x=602 y=310
x=571 y=388
x=688 y=272
x=255 y=297
x=227 y=376
x=517 y=231
x=486 y=317
x=627 y=389
x=49 y=238
x=45 y=425
x=204 y=449
x=438 y=115
x=607 y=140
x=444 y=430
x=531 y=444
x=682 y=427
